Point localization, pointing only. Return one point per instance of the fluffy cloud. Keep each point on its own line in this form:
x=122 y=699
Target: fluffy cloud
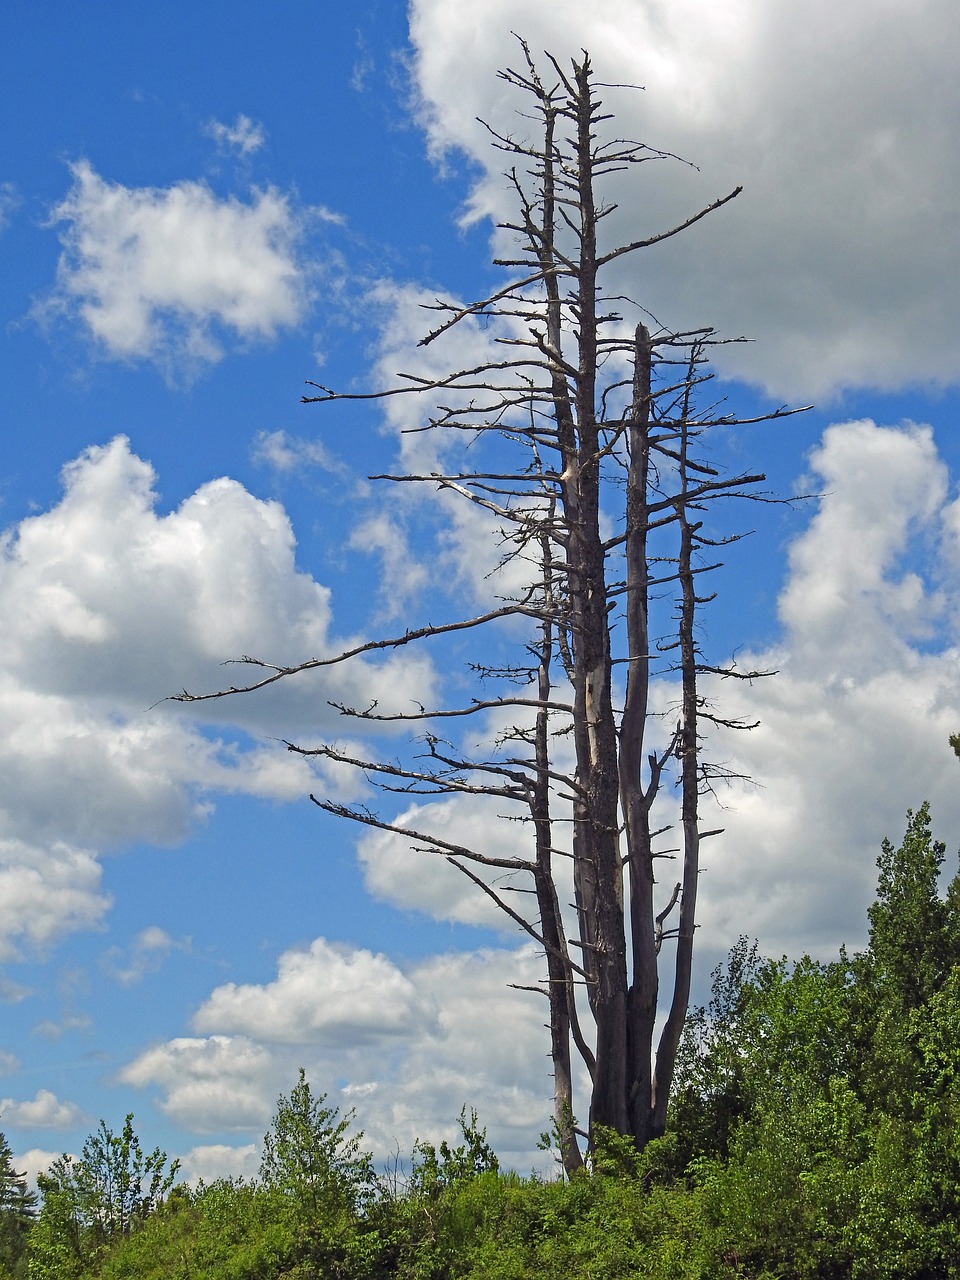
x=108 y=607
x=45 y=892
x=34 y=1161
x=412 y=878
x=328 y=991
x=164 y=273
x=854 y=727
x=220 y=1083
x=839 y=121
x=464 y=1037
x=46 y=1111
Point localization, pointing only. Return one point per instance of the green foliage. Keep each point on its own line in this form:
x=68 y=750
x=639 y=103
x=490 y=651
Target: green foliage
x=435 y=1171
x=322 y=1178
x=815 y=1133
x=914 y=946
x=772 y=1029
x=89 y=1201
x=308 y=1155
x=17 y=1215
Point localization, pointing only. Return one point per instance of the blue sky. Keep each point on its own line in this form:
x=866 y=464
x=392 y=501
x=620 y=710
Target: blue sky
x=202 y=209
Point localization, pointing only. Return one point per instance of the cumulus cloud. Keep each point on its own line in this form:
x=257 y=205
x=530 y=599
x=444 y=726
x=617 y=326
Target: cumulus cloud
x=35 y=1161
x=167 y=274
x=840 y=123
x=45 y=1111
x=413 y=878
x=244 y=135
x=109 y=607
x=328 y=991
x=46 y=892
x=463 y=1037
x=854 y=727
x=210 y=1085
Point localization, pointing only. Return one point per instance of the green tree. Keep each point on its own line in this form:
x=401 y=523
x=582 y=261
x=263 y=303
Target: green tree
x=825 y=1098
x=310 y=1156
x=772 y=1030
x=320 y=1181
x=89 y=1200
x=17 y=1215
x=914 y=945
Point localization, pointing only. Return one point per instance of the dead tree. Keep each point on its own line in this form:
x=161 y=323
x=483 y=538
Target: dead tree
x=608 y=506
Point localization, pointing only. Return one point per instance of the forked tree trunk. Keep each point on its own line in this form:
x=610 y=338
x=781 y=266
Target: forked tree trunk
x=607 y=420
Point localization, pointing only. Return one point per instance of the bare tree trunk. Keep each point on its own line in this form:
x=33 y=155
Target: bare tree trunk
x=603 y=451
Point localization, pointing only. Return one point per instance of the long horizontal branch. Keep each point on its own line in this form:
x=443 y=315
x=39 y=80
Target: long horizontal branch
x=666 y=235
x=441 y=785
x=494 y=297
x=476 y=705
x=442 y=847
x=370 y=646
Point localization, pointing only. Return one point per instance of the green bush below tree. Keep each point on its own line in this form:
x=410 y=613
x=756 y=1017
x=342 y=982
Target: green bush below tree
x=815 y=1132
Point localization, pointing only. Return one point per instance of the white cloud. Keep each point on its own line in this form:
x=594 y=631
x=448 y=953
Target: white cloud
x=286 y=453
x=166 y=273
x=9 y=1063
x=145 y=955
x=854 y=727
x=881 y=487
x=34 y=1161
x=218 y=1160
x=412 y=878
x=465 y=1038
x=9 y=203
x=108 y=607
x=244 y=135
x=46 y=1111
x=45 y=892
x=839 y=121
x=329 y=993
x=214 y=1084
